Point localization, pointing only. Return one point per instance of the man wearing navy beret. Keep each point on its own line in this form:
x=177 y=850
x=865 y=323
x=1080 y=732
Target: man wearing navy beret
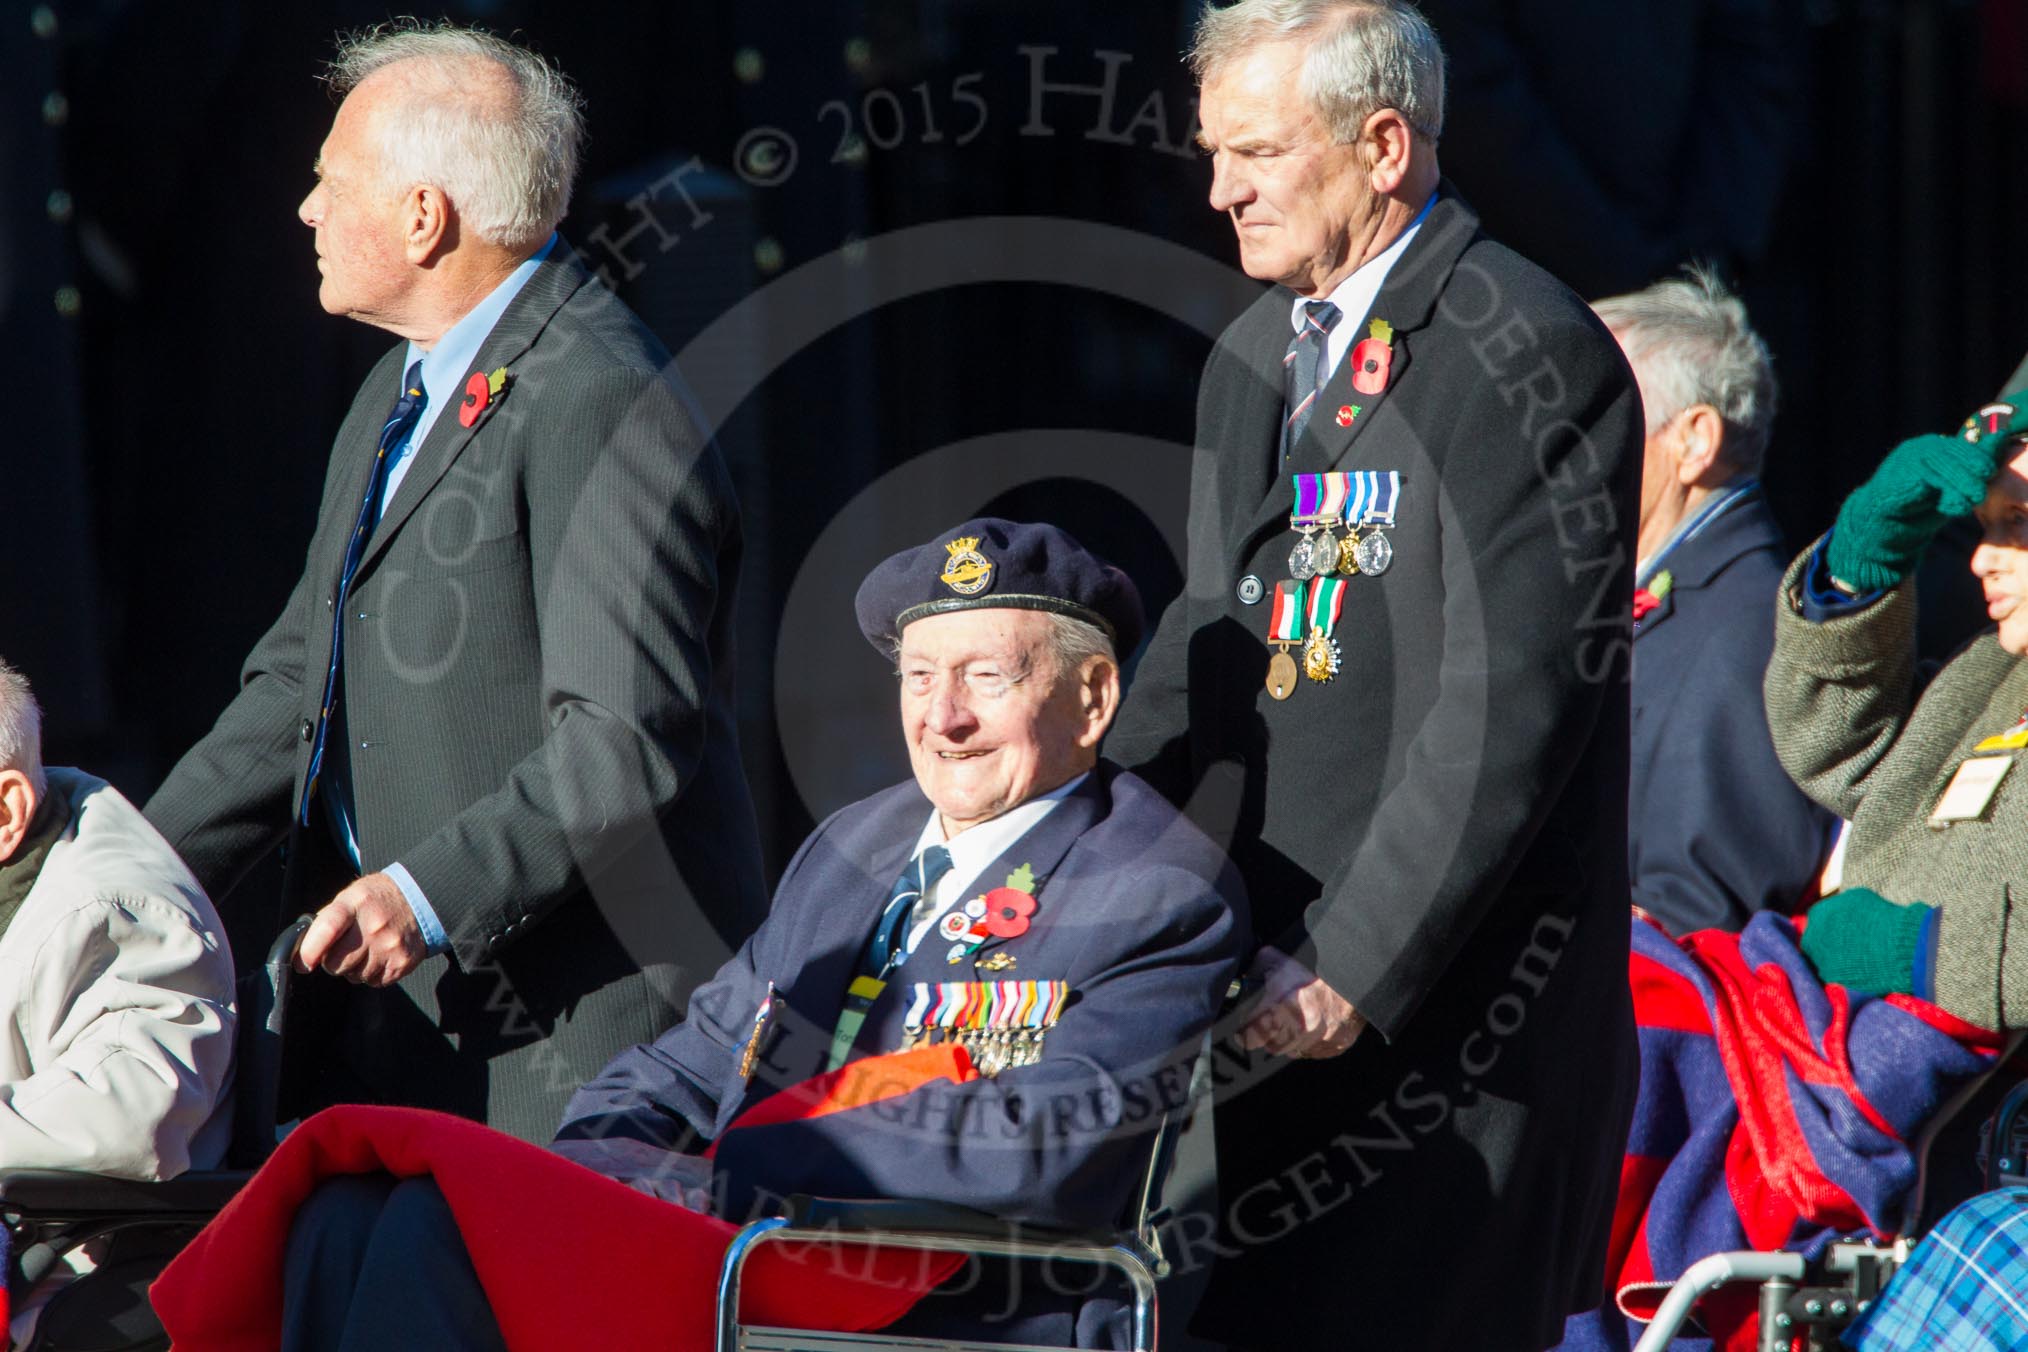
x=1015 y=863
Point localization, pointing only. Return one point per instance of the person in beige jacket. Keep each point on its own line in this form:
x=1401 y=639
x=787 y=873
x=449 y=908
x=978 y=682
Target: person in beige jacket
x=116 y=984
x=1935 y=897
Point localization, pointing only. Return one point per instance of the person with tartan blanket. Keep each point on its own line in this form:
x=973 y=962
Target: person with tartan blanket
x=1939 y=836
x=1021 y=900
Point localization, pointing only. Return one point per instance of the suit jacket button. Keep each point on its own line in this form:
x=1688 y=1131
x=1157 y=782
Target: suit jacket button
x=307 y=730
x=1250 y=590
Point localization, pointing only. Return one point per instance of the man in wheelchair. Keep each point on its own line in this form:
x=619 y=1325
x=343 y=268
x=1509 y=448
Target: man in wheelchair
x=116 y=981
x=1035 y=906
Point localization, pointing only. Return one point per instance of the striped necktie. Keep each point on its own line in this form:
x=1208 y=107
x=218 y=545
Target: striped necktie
x=889 y=944
x=401 y=421
x=1300 y=369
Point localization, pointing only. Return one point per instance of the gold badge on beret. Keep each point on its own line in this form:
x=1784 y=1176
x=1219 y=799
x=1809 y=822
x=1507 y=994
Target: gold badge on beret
x=967 y=572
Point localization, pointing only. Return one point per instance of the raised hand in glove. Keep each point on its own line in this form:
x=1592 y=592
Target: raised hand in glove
x=1862 y=941
x=1925 y=481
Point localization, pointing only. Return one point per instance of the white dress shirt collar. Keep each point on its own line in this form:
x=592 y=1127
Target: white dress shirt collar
x=974 y=849
x=1355 y=295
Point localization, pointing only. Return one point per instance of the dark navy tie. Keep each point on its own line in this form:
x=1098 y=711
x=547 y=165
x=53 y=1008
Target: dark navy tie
x=889 y=944
x=401 y=421
x=1300 y=370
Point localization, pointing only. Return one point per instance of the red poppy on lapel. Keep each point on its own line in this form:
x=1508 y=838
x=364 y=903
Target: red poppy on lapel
x=1007 y=912
x=480 y=391
x=1371 y=358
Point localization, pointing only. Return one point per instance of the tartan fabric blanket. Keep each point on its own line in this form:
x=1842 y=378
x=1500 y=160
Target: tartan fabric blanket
x=529 y=1218
x=1964 y=1289
x=1774 y=1112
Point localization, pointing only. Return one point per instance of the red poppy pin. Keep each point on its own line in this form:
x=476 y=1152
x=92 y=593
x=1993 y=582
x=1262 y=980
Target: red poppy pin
x=480 y=392
x=1007 y=912
x=1646 y=600
x=1371 y=358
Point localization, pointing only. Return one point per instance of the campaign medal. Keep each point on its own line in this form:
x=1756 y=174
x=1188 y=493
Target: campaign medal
x=1000 y=1024
x=1369 y=510
x=1320 y=650
x=1320 y=501
x=1285 y=629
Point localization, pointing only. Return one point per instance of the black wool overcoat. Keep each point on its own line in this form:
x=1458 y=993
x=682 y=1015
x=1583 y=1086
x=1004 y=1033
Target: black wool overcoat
x=1440 y=830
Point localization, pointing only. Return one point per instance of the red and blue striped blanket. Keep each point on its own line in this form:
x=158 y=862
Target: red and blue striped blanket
x=1774 y=1112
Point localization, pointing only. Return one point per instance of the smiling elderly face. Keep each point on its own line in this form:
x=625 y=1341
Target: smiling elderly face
x=989 y=719
x=2001 y=560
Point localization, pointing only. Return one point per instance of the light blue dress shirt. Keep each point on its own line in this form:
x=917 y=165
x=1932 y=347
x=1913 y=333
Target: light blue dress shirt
x=445 y=369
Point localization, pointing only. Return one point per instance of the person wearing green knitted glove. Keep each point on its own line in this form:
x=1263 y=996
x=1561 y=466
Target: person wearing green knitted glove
x=1925 y=481
x=1862 y=941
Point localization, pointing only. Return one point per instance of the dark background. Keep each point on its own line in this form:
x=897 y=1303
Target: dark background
x=172 y=386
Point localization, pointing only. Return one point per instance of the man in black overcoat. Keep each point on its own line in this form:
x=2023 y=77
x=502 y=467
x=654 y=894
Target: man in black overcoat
x=493 y=724
x=1419 y=1145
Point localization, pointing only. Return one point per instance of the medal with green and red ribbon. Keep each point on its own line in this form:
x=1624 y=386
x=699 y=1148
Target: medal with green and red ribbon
x=1320 y=650
x=1286 y=617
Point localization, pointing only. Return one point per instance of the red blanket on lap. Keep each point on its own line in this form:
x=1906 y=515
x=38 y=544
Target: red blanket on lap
x=568 y=1257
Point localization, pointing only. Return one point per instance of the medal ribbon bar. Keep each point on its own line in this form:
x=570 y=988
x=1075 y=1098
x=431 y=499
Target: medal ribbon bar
x=1320 y=498
x=1373 y=497
x=1285 y=616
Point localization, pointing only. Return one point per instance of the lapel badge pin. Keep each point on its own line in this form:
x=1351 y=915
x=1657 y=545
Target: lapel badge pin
x=1346 y=413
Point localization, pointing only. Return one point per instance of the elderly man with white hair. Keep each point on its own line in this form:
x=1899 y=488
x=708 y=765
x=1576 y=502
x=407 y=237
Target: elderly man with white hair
x=1716 y=829
x=116 y=983
x=493 y=724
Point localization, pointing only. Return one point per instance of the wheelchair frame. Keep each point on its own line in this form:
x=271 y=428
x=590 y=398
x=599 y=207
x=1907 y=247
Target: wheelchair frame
x=1815 y=1301
x=932 y=1227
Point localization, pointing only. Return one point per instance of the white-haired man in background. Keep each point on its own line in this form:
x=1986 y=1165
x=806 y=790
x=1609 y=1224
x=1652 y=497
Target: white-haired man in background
x=1716 y=829
x=115 y=979
x=504 y=680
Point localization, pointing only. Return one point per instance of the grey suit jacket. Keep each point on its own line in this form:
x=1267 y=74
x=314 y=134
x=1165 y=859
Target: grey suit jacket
x=1847 y=723
x=538 y=691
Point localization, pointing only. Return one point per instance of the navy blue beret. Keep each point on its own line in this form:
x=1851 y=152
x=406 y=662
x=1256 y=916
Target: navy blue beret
x=990 y=563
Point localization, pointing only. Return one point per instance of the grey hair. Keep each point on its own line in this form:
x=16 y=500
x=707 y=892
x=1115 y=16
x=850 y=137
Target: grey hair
x=1690 y=343
x=20 y=728
x=1362 y=56
x=507 y=167
x=1073 y=642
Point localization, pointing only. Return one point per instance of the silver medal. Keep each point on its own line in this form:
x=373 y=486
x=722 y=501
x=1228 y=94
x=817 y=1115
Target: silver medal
x=1303 y=559
x=1374 y=552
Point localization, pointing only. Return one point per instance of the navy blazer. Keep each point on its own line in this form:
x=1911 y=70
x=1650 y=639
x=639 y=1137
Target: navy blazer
x=1717 y=829
x=1137 y=910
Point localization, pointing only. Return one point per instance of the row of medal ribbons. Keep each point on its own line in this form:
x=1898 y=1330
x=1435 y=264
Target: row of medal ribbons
x=1362 y=501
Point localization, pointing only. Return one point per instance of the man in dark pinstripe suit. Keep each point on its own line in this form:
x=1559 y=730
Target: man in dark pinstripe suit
x=493 y=723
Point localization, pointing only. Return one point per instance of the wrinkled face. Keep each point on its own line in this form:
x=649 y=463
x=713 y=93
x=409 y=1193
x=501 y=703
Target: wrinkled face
x=2001 y=560
x=1296 y=198
x=358 y=220
x=988 y=722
